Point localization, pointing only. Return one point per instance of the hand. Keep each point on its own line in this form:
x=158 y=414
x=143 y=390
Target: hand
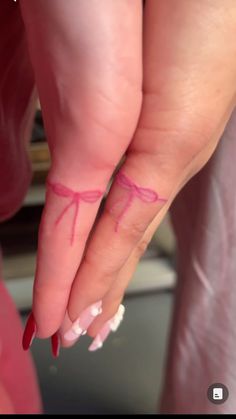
x=189 y=73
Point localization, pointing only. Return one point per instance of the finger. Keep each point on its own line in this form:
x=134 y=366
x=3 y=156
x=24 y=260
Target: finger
x=110 y=326
x=171 y=143
x=101 y=326
x=116 y=235
x=87 y=127
x=65 y=326
x=115 y=295
x=112 y=300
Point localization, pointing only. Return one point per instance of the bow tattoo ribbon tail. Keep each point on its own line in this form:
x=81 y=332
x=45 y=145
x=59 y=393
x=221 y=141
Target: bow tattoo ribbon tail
x=144 y=194
x=75 y=199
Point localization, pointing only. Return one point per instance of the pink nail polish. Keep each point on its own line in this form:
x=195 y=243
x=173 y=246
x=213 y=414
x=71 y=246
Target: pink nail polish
x=80 y=325
x=110 y=326
x=97 y=343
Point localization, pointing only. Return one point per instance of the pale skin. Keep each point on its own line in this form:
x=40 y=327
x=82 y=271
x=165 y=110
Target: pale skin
x=157 y=84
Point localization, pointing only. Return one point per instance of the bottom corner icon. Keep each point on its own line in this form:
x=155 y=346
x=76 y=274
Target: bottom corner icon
x=217 y=393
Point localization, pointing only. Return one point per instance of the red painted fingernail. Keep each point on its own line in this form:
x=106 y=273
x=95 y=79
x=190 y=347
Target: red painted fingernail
x=29 y=332
x=55 y=344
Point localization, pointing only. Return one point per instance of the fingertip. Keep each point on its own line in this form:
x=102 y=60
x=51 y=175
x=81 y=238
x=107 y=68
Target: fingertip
x=65 y=326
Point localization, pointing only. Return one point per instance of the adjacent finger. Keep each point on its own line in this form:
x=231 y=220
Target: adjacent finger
x=111 y=301
x=129 y=210
x=115 y=295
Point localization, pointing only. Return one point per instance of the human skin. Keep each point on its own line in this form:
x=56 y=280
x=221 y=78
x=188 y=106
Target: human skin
x=19 y=392
x=17 y=109
x=164 y=99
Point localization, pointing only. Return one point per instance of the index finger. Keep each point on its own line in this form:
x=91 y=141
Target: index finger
x=87 y=81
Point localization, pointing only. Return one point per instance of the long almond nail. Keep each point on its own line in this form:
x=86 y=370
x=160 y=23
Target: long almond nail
x=110 y=326
x=55 y=344
x=29 y=332
x=80 y=326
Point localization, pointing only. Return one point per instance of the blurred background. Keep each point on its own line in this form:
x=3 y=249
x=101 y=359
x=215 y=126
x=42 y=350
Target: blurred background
x=126 y=375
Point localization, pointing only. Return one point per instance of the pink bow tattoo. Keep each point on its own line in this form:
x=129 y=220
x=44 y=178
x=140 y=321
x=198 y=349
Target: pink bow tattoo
x=75 y=198
x=135 y=191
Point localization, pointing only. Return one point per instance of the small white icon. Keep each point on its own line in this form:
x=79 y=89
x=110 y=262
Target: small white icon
x=217 y=393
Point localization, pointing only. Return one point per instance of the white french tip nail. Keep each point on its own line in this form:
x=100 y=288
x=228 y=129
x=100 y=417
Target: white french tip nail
x=74 y=333
x=77 y=329
x=96 y=344
x=96 y=309
x=121 y=309
x=115 y=323
x=111 y=325
x=117 y=319
x=80 y=326
x=70 y=335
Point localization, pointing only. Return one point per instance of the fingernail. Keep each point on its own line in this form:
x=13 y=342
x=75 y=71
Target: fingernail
x=80 y=326
x=110 y=326
x=29 y=332
x=55 y=344
x=117 y=319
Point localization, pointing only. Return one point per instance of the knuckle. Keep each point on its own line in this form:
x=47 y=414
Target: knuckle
x=107 y=259
x=102 y=276
x=134 y=231
x=172 y=134
x=97 y=260
x=175 y=150
x=131 y=231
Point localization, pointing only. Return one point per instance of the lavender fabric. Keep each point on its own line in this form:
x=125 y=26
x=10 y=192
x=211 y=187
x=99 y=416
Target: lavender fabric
x=202 y=348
